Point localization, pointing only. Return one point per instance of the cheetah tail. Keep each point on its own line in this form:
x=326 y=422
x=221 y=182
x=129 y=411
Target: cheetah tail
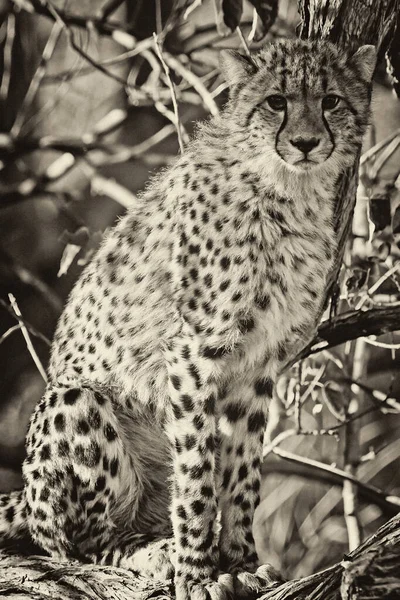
x=13 y=522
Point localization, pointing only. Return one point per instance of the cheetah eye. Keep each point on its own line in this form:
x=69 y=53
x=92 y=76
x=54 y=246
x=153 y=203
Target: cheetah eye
x=330 y=102
x=277 y=102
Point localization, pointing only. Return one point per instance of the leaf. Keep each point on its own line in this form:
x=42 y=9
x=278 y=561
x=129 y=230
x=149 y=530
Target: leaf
x=267 y=10
x=317 y=408
x=381 y=250
x=90 y=248
x=219 y=10
x=60 y=166
x=356 y=280
x=68 y=256
x=232 y=11
x=80 y=237
x=379 y=212
x=74 y=241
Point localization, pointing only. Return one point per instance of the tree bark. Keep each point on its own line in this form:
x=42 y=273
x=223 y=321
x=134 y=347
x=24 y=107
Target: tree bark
x=348 y=23
x=352 y=325
x=370 y=572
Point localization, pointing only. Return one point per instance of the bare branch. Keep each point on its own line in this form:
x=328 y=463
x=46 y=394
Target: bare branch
x=37 y=78
x=194 y=81
x=9 y=331
x=102 y=26
x=27 y=338
x=7 y=58
x=177 y=123
x=32 y=330
x=352 y=325
x=318 y=471
x=112 y=189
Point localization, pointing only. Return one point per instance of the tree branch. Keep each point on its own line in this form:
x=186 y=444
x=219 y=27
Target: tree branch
x=295 y=466
x=101 y=25
x=370 y=571
x=318 y=471
x=352 y=325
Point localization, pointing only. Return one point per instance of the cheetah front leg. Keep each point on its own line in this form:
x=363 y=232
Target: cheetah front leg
x=242 y=426
x=192 y=431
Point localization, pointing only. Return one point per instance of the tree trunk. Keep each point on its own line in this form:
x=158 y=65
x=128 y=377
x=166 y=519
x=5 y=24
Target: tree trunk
x=349 y=23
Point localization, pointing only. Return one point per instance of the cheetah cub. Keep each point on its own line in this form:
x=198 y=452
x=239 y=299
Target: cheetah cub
x=145 y=450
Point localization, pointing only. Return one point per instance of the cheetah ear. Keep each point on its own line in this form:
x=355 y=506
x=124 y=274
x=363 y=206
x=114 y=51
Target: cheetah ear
x=365 y=60
x=236 y=67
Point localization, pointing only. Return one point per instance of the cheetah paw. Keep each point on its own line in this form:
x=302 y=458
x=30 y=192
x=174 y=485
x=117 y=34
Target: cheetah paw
x=249 y=585
x=154 y=561
x=222 y=589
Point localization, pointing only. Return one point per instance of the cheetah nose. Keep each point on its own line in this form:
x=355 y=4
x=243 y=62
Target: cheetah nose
x=305 y=145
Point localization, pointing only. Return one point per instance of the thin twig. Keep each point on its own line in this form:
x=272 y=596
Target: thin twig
x=102 y=26
x=92 y=141
x=32 y=330
x=378 y=147
x=284 y=435
x=383 y=278
x=352 y=450
x=37 y=78
x=172 y=89
x=313 y=474
x=243 y=41
x=333 y=430
x=29 y=278
x=135 y=48
x=112 y=189
x=9 y=331
x=378 y=396
x=153 y=140
x=386 y=345
x=253 y=29
x=194 y=81
x=27 y=338
x=60 y=18
x=332 y=470
x=297 y=397
x=380 y=162
x=158 y=17
x=109 y=7
x=8 y=46
x=195 y=4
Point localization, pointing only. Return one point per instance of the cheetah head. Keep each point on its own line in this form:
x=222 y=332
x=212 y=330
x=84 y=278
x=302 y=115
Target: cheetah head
x=304 y=104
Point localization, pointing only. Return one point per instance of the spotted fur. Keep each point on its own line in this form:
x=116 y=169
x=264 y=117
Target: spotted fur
x=165 y=357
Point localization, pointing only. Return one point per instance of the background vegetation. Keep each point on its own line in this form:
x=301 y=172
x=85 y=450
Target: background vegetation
x=91 y=102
